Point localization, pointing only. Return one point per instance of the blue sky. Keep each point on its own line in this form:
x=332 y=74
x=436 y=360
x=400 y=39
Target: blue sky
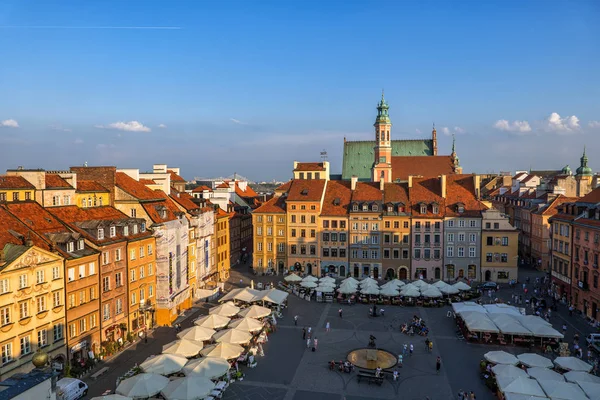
x=250 y=86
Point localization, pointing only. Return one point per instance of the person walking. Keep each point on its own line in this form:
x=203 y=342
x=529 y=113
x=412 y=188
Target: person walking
x=382 y=311
x=400 y=360
x=308 y=343
x=412 y=348
x=461 y=394
x=405 y=349
x=430 y=346
x=315 y=343
x=304 y=333
x=472 y=395
x=340 y=312
x=295 y=320
x=327 y=327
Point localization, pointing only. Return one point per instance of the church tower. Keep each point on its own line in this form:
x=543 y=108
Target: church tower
x=584 y=175
x=382 y=166
x=456 y=168
x=434 y=140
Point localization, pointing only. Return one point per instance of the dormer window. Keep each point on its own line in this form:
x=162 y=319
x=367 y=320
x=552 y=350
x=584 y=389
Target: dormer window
x=125 y=230
x=375 y=207
x=435 y=209
x=143 y=227
x=401 y=209
x=135 y=229
x=365 y=207
x=80 y=244
x=423 y=209
x=100 y=234
x=390 y=209
x=70 y=247
x=113 y=231
x=163 y=214
x=355 y=207
x=460 y=208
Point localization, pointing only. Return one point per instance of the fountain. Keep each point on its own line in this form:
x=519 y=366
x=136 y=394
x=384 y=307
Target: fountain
x=369 y=358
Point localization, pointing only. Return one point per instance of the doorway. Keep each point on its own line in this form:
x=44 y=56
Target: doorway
x=376 y=272
x=488 y=275
x=309 y=270
x=280 y=267
x=342 y=271
x=356 y=271
x=594 y=310
x=366 y=271
x=438 y=273
x=389 y=274
x=403 y=273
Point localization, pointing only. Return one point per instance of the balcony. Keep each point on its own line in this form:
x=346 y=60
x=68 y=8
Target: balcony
x=583 y=285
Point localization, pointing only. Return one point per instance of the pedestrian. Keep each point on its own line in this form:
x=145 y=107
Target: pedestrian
x=295 y=320
x=304 y=333
x=308 y=343
x=412 y=348
x=315 y=343
x=461 y=394
x=241 y=281
x=327 y=327
x=438 y=364
x=472 y=395
x=430 y=346
x=404 y=348
x=395 y=374
x=564 y=328
x=400 y=360
x=340 y=312
x=570 y=311
x=382 y=311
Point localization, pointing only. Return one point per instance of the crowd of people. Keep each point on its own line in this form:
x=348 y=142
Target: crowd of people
x=417 y=325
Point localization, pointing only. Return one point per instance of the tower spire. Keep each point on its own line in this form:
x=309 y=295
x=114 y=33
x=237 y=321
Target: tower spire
x=434 y=140
x=453 y=144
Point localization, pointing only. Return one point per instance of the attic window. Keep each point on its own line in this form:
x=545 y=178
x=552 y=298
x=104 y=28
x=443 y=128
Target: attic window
x=304 y=192
x=400 y=208
x=355 y=207
x=70 y=247
x=390 y=208
x=125 y=230
x=80 y=244
x=135 y=229
x=143 y=227
x=423 y=209
x=460 y=208
x=435 y=209
x=336 y=201
x=374 y=207
x=163 y=213
x=113 y=231
x=100 y=233
x=365 y=207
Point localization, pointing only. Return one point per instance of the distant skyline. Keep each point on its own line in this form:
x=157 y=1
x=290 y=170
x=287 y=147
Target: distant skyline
x=250 y=86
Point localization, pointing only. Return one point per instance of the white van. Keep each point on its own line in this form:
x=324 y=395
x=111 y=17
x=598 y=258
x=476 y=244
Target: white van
x=70 y=389
x=593 y=338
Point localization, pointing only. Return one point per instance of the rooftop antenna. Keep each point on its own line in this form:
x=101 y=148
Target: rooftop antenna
x=324 y=155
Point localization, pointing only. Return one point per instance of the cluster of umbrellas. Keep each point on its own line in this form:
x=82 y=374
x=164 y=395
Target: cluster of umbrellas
x=540 y=380
x=197 y=383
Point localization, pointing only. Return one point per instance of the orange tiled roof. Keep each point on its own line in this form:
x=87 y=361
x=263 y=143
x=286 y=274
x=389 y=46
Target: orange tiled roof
x=591 y=197
x=285 y=187
x=153 y=208
x=249 y=192
x=337 y=198
x=495 y=192
x=14 y=182
x=306 y=190
x=14 y=231
x=425 y=166
x=276 y=205
x=146 y=181
x=54 y=181
x=36 y=217
x=184 y=200
x=309 y=166
x=90 y=186
x=135 y=188
x=367 y=191
x=396 y=193
x=428 y=191
x=461 y=189
x=223 y=185
x=201 y=188
x=175 y=177
x=552 y=208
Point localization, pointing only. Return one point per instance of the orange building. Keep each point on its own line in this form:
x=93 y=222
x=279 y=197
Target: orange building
x=141 y=267
x=334 y=228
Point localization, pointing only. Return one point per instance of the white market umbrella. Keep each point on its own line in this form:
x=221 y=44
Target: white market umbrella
x=579 y=376
x=327 y=283
x=535 y=360
x=463 y=287
x=327 y=279
x=572 y=364
x=440 y=284
x=164 y=364
x=207 y=367
x=544 y=374
x=195 y=388
x=186 y=348
x=292 y=278
x=347 y=289
x=389 y=291
x=592 y=390
x=226 y=309
x=309 y=278
x=246 y=324
x=196 y=333
x=255 y=312
x=410 y=291
x=397 y=283
x=367 y=281
x=449 y=289
x=227 y=351
x=212 y=321
x=112 y=397
x=562 y=390
x=370 y=290
x=308 y=284
x=234 y=336
x=349 y=284
x=501 y=357
x=509 y=371
x=420 y=284
x=142 y=386
x=351 y=280
x=431 y=292
x=325 y=289
x=526 y=386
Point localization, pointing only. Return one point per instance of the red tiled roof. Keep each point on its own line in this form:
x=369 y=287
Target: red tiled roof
x=337 y=198
x=396 y=193
x=175 y=177
x=54 y=181
x=367 y=191
x=427 y=191
x=248 y=193
x=309 y=166
x=14 y=231
x=201 y=188
x=552 y=208
x=221 y=213
x=223 y=185
x=184 y=200
x=146 y=181
x=494 y=192
x=153 y=208
x=135 y=188
x=285 y=187
x=592 y=197
x=425 y=166
x=90 y=186
x=461 y=189
x=587 y=221
x=276 y=205
x=306 y=190
x=36 y=217
x=14 y=182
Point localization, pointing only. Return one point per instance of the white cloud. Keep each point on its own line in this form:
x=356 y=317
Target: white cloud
x=131 y=126
x=515 y=126
x=102 y=146
x=237 y=121
x=564 y=125
x=447 y=131
x=162 y=126
x=459 y=130
x=9 y=123
x=594 y=124
x=78 y=141
x=59 y=128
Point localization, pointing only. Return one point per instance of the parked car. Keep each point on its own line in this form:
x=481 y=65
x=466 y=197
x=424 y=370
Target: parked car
x=71 y=389
x=488 y=286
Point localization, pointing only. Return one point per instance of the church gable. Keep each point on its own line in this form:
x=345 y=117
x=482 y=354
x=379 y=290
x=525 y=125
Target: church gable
x=27 y=257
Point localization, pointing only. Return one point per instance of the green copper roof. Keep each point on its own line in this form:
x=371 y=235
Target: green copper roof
x=383 y=108
x=583 y=169
x=360 y=155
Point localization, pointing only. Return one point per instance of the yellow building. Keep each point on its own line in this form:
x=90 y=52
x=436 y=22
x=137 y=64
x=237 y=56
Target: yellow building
x=499 y=248
x=15 y=188
x=333 y=229
x=396 y=232
x=222 y=241
x=91 y=194
x=270 y=245
x=142 y=280
x=561 y=239
x=32 y=307
x=52 y=188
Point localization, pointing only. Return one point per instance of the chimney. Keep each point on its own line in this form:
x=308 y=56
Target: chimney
x=477 y=181
x=353 y=181
x=443 y=183
x=410 y=181
x=381 y=185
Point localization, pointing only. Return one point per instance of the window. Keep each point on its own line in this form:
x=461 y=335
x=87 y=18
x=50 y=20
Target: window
x=436 y=254
x=302 y=219
x=142 y=296
x=4 y=316
x=82 y=325
x=325 y=223
x=489 y=241
x=293 y=249
x=374 y=239
x=437 y=238
x=488 y=257
x=504 y=257
x=22 y=281
x=70 y=247
x=505 y=241
x=473 y=223
x=126 y=230
x=325 y=252
x=259 y=246
x=472 y=252
x=71 y=274
x=133 y=275
x=427 y=239
x=105 y=258
x=41 y=304
x=7 y=354
x=417 y=253
x=461 y=252
x=293 y=233
x=427 y=254
x=449 y=251
x=472 y=237
x=418 y=225
x=105 y=284
x=343 y=253
x=417 y=239
x=100 y=234
x=149 y=249
x=92 y=268
x=118 y=279
x=150 y=291
x=132 y=254
x=269 y=246
x=302 y=232
x=58 y=332
x=461 y=223
x=25 y=345
x=23 y=310
x=142 y=255
x=488 y=225
x=81 y=271
x=496 y=225
x=71 y=300
x=313 y=250
x=150 y=271
x=118 y=255
x=374 y=254
x=39 y=276
x=259 y=230
x=55 y=274
x=56 y=299
x=450 y=223
x=313 y=233
x=119 y=307
x=142 y=272
x=423 y=209
x=280 y=247
x=461 y=237
x=92 y=293
x=93 y=321
x=133 y=298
